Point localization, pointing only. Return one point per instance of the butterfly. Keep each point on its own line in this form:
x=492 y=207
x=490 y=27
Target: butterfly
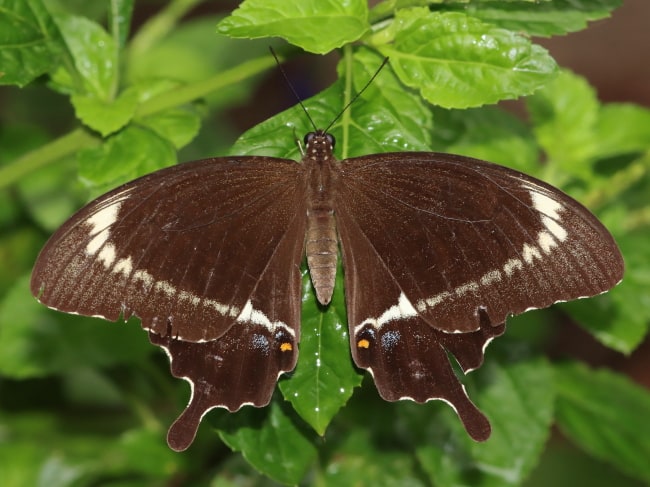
x=438 y=250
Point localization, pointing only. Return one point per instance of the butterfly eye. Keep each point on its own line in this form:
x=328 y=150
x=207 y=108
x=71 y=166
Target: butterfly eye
x=309 y=137
x=331 y=140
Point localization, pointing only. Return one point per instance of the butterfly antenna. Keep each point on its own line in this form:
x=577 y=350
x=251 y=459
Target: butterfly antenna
x=293 y=90
x=354 y=98
x=358 y=94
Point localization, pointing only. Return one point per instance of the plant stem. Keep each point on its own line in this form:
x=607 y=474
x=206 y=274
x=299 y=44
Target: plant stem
x=61 y=147
x=188 y=93
x=346 y=118
x=618 y=183
x=119 y=24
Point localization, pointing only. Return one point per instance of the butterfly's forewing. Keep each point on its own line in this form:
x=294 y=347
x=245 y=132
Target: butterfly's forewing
x=459 y=235
x=440 y=249
x=201 y=251
x=184 y=249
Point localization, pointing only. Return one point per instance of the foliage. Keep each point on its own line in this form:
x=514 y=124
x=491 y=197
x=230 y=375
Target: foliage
x=126 y=100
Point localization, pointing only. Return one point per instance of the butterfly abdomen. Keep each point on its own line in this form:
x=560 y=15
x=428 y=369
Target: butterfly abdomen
x=321 y=244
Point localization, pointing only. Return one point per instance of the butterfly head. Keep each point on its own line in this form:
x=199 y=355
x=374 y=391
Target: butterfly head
x=319 y=145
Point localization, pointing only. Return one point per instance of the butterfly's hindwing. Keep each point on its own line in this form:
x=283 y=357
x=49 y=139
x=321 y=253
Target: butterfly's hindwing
x=408 y=360
x=239 y=368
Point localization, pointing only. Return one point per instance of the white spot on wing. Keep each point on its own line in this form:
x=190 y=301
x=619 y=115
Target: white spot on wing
x=257 y=317
x=104 y=218
x=170 y=290
x=100 y=224
x=190 y=297
x=546 y=242
x=222 y=309
x=465 y=288
x=490 y=277
x=107 y=255
x=144 y=277
x=403 y=309
x=260 y=342
x=511 y=266
x=545 y=204
x=554 y=227
x=433 y=301
x=530 y=253
x=97 y=242
x=550 y=210
x=166 y=288
x=124 y=266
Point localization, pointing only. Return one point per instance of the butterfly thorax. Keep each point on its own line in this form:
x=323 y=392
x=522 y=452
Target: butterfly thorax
x=321 y=240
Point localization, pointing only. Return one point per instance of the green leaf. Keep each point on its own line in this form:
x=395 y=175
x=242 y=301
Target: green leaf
x=358 y=460
x=564 y=465
x=487 y=133
x=106 y=116
x=28 y=42
x=53 y=449
x=315 y=25
x=622 y=128
x=457 y=61
x=607 y=415
x=130 y=153
x=519 y=431
x=17 y=251
x=564 y=114
x=541 y=20
x=270 y=441
x=37 y=342
x=26 y=461
x=180 y=55
x=15 y=141
x=386 y=117
x=18 y=461
x=52 y=194
x=325 y=377
x=93 y=52
x=178 y=125
x=145 y=452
